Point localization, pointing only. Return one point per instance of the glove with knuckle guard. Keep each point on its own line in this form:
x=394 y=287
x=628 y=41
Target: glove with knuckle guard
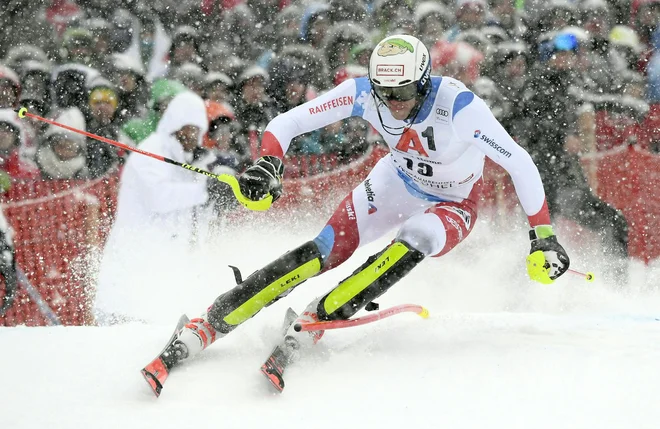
x=221 y=196
x=547 y=259
x=263 y=178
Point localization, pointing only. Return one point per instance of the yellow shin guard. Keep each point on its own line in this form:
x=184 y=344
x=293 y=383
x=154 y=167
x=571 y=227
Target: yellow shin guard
x=370 y=281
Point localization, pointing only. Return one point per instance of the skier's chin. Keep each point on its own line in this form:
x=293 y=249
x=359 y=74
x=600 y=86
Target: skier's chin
x=400 y=110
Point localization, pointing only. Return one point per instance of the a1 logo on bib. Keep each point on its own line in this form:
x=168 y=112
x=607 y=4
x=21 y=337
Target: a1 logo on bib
x=409 y=140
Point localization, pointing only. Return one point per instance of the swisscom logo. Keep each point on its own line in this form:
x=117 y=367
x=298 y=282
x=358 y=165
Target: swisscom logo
x=490 y=142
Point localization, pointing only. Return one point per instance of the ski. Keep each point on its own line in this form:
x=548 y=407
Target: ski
x=281 y=356
x=273 y=368
x=348 y=323
x=156 y=372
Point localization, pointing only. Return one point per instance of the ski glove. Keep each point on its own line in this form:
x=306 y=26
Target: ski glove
x=547 y=259
x=220 y=194
x=264 y=177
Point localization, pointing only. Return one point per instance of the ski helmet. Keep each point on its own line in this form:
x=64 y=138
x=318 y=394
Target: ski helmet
x=400 y=69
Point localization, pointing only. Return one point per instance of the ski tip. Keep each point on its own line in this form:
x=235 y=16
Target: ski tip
x=153 y=382
x=155 y=374
x=424 y=313
x=297 y=327
x=275 y=379
x=274 y=372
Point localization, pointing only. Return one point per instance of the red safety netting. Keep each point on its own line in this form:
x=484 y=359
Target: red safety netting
x=57 y=224
x=620 y=129
x=649 y=131
x=628 y=179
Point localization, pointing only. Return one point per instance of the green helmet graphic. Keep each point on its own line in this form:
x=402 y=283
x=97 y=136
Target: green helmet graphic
x=394 y=46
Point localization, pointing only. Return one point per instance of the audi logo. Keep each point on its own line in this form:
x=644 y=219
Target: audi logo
x=441 y=112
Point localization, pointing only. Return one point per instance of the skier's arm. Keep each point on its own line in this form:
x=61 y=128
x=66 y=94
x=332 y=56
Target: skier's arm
x=474 y=122
x=333 y=106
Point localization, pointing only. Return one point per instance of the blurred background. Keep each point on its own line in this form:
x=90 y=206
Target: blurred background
x=576 y=83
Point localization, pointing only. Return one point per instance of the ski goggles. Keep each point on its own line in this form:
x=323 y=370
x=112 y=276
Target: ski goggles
x=397 y=93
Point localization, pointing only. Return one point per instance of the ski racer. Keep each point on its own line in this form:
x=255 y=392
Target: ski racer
x=438 y=133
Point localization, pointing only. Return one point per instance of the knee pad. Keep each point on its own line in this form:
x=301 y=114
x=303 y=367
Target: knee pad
x=425 y=233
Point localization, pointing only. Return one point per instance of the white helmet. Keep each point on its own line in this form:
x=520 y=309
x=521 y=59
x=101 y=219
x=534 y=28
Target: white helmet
x=400 y=68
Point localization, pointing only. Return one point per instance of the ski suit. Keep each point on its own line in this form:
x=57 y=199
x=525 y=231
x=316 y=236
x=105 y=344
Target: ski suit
x=427 y=185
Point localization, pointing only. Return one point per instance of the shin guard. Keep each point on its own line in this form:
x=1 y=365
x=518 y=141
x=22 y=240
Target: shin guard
x=264 y=287
x=369 y=281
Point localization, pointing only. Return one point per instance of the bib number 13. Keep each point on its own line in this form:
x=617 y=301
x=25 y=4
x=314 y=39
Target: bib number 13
x=422 y=168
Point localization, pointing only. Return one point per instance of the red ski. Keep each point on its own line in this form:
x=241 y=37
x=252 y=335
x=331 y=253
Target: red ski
x=159 y=369
x=273 y=368
x=284 y=353
x=338 y=324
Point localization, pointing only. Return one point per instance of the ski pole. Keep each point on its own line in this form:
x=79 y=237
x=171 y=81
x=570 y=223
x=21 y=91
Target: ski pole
x=11 y=283
x=588 y=276
x=44 y=308
x=261 y=205
x=338 y=324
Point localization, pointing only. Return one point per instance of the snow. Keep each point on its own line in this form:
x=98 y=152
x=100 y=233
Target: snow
x=497 y=352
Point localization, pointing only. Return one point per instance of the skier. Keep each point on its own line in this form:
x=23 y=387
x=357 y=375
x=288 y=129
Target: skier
x=438 y=133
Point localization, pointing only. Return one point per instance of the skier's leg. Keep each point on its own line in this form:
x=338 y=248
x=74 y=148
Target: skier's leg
x=233 y=308
x=354 y=222
x=377 y=205
x=264 y=287
x=246 y=299
x=367 y=283
x=432 y=233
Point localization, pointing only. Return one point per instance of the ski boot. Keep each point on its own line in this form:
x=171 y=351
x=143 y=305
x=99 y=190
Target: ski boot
x=189 y=338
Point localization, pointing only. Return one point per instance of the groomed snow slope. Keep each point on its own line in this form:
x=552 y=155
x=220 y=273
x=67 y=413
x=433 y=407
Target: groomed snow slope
x=497 y=352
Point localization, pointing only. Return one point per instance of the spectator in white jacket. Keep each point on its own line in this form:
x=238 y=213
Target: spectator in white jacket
x=157 y=208
x=154 y=191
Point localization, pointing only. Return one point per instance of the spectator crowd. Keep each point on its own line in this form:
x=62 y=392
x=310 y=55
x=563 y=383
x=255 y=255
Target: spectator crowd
x=552 y=71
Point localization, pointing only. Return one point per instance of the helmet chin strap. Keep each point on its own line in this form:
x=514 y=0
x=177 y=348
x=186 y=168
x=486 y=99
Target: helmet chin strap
x=413 y=113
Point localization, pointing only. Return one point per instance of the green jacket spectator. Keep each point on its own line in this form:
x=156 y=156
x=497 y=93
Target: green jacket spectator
x=162 y=92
